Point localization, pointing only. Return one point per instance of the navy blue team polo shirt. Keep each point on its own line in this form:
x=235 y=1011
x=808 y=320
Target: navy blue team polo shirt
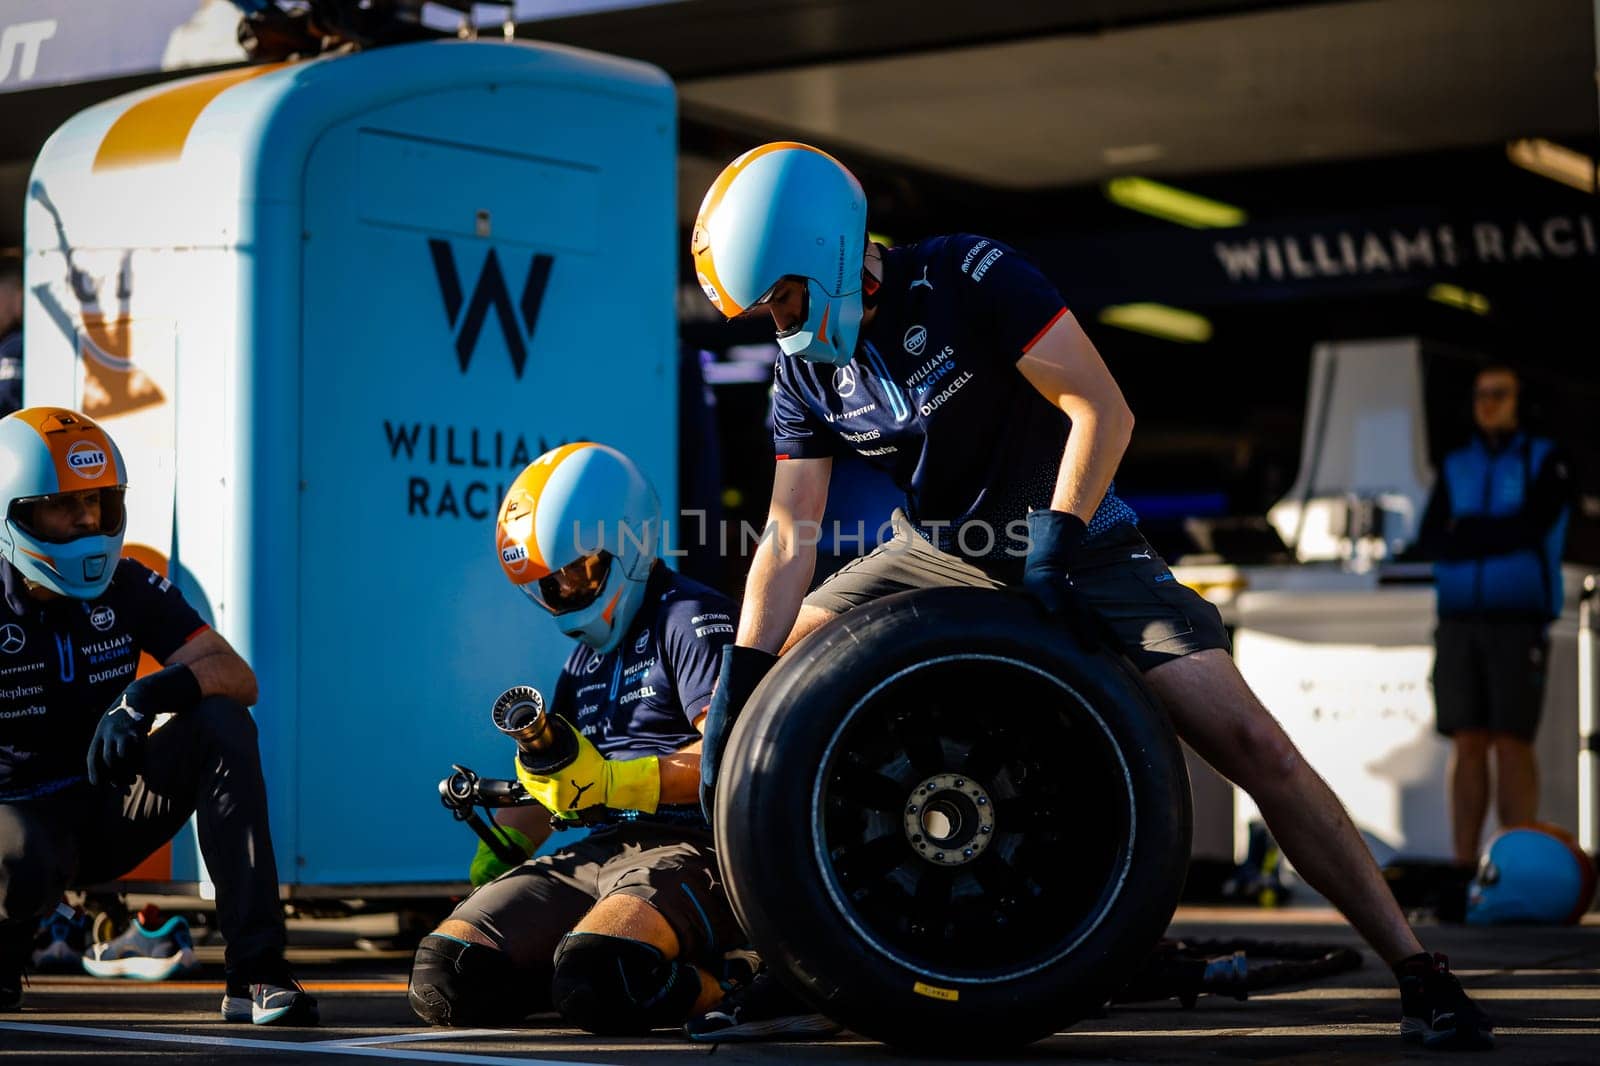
x=933 y=396
x=63 y=663
x=642 y=697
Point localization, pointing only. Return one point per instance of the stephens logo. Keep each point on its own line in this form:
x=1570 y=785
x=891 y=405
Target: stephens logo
x=102 y=618
x=844 y=382
x=86 y=459
x=490 y=293
x=916 y=340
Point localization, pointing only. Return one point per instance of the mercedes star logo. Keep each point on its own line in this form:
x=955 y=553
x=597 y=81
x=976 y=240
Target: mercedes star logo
x=844 y=382
x=12 y=638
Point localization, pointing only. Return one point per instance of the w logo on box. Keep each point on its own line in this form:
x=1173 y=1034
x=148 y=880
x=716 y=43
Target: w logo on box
x=490 y=293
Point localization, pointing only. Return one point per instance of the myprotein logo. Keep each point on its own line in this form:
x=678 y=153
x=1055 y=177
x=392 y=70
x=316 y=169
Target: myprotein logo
x=490 y=293
x=86 y=459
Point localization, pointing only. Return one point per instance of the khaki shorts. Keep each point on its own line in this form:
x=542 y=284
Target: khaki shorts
x=1154 y=617
x=526 y=911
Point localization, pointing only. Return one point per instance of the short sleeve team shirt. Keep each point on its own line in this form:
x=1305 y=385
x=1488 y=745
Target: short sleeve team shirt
x=643 y=697
x=63 y=663
x=933 y=396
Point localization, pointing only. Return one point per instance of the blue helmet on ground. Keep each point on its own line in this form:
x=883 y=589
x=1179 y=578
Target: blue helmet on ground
x=787 y=210
x=1531 y=874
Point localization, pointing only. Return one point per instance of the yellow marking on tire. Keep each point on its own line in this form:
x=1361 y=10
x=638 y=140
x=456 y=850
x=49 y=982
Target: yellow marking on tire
x=949 y=995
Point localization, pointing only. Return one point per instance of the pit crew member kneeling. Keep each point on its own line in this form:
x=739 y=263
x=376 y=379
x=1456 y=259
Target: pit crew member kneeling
x=88 y=789
x=628 y=929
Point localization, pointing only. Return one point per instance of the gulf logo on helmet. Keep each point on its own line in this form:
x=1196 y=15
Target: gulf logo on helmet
x=86 y=459
x=514 y=557
x=515 y=537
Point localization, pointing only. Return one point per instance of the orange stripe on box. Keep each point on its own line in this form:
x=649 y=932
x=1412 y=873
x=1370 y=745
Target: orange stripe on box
x=155 y=129
x=1048 y=326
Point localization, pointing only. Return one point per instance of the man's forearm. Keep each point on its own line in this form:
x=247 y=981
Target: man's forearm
x=225 y=674
x=680 y=775
x=1089 y=461
x=780 y=574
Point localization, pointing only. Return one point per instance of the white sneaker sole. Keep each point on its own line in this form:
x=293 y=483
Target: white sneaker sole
x=237 y=1009
x=142 y=968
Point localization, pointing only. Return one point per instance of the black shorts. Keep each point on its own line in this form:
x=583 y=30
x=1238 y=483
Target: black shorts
x=527 y=910
x=1154 y=617
x=1490 y=675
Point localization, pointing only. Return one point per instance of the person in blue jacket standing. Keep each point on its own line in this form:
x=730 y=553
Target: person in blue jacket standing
x=1495 y=526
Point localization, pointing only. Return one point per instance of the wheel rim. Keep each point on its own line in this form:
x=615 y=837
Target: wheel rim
x=992 y=889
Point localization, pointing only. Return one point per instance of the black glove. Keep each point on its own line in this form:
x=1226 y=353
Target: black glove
x=1054 y=538
x=742 y=670
x=116 y=754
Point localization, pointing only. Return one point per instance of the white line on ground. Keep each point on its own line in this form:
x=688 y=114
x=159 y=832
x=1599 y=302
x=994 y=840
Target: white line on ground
x=406 y=1038
x=292 y=1047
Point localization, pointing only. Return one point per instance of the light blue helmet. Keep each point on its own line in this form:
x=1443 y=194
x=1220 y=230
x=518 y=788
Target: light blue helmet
x=1531 y=874
x=63 y=482
x=787 y=210
x=578 y=533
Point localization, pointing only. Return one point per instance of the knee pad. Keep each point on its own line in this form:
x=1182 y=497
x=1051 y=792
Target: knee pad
x=457 y=983
x=613 y=986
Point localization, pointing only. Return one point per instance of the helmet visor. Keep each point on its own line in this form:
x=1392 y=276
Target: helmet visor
x=63 y=517
x=574 y=586
x=787 y=302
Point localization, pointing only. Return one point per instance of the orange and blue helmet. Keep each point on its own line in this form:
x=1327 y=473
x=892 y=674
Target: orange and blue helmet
x=63 y=481
x=1533 y=873
x=578 y=532
x=787 y=210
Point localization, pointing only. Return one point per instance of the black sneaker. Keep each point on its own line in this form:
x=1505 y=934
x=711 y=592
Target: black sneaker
x=1435 y=1010
x=760 y=1010
x=273 y=998
x=10 y=991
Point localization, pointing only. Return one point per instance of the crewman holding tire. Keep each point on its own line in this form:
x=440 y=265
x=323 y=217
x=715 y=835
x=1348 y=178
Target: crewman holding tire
x=954 y=365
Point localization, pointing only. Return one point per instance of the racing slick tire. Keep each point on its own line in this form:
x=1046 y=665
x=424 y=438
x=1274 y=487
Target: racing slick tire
x=950 y=827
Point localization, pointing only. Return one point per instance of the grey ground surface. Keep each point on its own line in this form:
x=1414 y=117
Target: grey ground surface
x=1540 y=984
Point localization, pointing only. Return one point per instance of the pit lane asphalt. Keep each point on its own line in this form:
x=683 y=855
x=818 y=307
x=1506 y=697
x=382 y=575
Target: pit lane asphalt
x=1541 y=985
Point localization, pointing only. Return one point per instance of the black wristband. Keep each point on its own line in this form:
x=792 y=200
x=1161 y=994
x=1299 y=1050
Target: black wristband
x=170 y=690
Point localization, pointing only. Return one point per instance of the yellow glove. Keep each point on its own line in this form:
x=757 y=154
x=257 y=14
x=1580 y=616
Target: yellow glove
x=592 y=780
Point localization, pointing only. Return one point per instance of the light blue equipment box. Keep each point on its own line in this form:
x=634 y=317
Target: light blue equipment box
x=329 y=310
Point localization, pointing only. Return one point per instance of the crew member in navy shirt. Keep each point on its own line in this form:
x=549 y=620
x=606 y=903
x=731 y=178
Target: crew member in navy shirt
x=956 y=366
x=88 y=788
x=628 y=929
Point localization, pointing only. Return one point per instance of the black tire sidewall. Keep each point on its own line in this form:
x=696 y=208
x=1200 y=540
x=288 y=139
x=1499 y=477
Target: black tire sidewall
x=765 y=828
